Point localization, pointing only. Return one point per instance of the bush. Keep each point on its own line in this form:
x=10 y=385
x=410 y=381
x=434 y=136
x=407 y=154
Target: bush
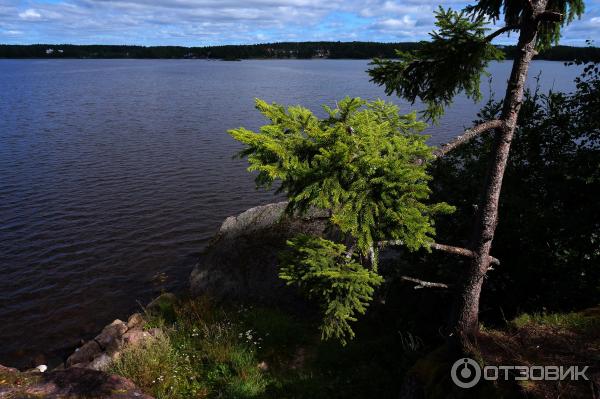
x=549 y=231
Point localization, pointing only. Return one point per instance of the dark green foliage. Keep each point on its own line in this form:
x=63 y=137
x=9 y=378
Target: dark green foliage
x=363 y=50
x=334 y=50
x=513 y=10
x=459 y=52
x=549 y=234
x=363 y=163
x=452 y=62
x=342 y=285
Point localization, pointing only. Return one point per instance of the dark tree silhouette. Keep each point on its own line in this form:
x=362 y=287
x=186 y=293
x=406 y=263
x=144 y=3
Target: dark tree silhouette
x=453 y=62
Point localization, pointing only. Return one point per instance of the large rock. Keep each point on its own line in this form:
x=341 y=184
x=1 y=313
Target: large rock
x=99 y=353
x=135 y=337
x=64 y=384
x=85 y=354
x=135 y=320
x=241 y=262
x=111 y=337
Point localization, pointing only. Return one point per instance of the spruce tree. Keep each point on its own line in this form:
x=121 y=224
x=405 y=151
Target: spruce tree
x=452 y=62
x=366 y=164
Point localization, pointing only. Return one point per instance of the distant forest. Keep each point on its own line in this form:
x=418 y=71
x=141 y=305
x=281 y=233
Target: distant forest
x=305 y=50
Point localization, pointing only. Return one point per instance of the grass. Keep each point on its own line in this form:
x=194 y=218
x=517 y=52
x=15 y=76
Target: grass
x=194 y=357
x=253 y=352
x=548 y=339
x=576 y=321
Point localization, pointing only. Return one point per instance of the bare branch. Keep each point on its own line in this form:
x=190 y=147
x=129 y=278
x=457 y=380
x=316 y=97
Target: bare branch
x=423 y=283
x=447 y=248
x=500 y=31
x=550 y=16
x=466 y=136
x=461 y=251
x=372 y=256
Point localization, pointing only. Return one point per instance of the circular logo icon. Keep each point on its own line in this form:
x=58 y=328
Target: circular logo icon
x=465 y=373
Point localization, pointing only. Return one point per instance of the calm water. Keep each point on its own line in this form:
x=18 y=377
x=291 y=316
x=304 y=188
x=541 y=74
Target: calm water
x=115 y=173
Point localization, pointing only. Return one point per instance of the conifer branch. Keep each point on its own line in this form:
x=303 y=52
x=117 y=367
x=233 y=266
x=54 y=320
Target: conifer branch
x=466 y=136
x=500 y=31
x=446 y=248
x=423 y=283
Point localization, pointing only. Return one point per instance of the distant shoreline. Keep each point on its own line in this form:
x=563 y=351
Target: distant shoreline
x=217 y=59
x=287 y=50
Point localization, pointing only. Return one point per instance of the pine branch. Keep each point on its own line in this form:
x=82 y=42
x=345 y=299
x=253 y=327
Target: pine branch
x=446 y=248
x=500 y=31
x=423 y=283
x=466 y=136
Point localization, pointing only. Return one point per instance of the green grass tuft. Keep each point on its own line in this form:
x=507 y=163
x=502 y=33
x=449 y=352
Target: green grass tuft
x=194 y=358
x=255 y=352
x=576 y=321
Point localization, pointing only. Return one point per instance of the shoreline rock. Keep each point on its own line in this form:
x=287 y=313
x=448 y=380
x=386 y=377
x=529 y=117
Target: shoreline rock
x=84 y=372
x=98 y=353
x=64 y=384
x=241 y=261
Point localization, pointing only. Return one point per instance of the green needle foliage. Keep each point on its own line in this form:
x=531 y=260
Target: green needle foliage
x=513 y=11
x=342 y=285
x=366 y=164
x=452 y=62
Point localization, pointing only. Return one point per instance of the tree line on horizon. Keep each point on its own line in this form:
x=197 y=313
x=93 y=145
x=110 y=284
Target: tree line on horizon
x=284 y=50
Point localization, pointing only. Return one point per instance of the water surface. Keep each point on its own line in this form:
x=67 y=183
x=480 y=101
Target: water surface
x=115 y=173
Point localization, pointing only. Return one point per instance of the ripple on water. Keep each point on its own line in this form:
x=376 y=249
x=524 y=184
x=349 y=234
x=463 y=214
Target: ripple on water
x=112 y=171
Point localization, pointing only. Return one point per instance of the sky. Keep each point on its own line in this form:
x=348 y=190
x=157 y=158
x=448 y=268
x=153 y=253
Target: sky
x=215 y=22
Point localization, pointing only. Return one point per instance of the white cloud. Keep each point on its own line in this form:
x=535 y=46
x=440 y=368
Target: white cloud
x=30 y=15
x=203 y=22
x=396 y=24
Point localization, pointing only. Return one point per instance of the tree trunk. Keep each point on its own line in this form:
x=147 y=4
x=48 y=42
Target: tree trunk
x=465 y=323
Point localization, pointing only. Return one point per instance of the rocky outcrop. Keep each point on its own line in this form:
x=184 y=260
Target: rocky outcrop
x=98 y=353
x=84 y=372
x=66 y=384
x=241 y=263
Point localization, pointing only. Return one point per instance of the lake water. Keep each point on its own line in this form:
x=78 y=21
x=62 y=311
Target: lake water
x=115 y=173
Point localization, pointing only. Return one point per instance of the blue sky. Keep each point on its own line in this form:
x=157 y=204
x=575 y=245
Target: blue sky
x=210 y=22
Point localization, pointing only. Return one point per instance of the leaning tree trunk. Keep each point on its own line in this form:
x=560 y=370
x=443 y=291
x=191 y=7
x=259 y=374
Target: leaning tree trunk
x=465 y=321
